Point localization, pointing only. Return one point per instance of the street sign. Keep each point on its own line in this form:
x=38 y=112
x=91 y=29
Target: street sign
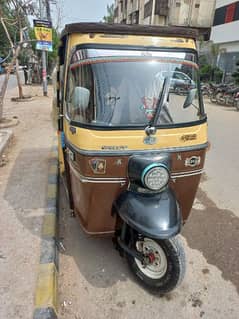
x=43 y=33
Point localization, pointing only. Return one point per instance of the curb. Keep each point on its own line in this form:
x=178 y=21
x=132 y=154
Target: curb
x=46 y=296
x=7 y=136
x=10 y=123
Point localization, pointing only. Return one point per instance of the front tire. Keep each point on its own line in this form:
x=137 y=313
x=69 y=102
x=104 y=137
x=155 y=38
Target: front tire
x=166 y=267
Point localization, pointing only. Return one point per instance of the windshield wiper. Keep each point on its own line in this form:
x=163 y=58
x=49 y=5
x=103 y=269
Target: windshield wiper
x=150 y=129
x=161 y=101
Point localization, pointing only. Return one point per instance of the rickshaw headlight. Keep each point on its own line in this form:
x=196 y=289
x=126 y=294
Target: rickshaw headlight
x=155 y=176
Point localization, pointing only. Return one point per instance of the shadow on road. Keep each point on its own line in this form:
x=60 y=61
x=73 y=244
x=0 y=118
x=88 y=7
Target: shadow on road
x=100 y=269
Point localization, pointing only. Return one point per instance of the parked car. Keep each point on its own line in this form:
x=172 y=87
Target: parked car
x=180 y=81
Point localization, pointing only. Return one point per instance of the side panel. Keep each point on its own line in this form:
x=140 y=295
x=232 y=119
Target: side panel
x=93 y=201
x=94 y=192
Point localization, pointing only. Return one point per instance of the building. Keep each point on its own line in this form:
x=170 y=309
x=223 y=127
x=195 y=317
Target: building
x=225 y=33
x=193 y=13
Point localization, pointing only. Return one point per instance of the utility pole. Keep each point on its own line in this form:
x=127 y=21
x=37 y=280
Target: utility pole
x=44 y=72
x=153 y=12
x=48 y=10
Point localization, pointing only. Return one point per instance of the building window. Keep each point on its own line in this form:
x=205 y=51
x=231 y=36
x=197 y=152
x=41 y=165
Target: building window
x=148 y=9
x=135 y=17
x=230 y=13
x=197 y=5
x=178 y=4
x=121 y=5
x=226 y=14
x=161 y=7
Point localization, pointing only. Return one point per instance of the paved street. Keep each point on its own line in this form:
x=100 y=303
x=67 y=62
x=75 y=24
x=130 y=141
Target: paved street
x=23 y=184
x=12 y=83
x=96 y=283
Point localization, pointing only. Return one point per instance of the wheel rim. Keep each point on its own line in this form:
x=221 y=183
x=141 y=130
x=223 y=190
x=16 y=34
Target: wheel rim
x=157 y=266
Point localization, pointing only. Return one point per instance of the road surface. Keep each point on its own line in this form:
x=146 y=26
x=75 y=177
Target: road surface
x=12 y=83
x=95 y=282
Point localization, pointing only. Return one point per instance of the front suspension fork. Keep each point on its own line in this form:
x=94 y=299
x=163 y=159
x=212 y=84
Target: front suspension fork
x=124 y=241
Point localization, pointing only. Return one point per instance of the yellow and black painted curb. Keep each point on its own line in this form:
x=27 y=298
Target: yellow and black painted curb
x=46 y=299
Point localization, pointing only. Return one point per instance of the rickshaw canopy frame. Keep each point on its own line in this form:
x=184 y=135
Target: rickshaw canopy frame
x=126 y=29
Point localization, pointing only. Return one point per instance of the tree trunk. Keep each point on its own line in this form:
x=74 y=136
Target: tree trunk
x=3 y=91
x=20 y=92
x=15 y=54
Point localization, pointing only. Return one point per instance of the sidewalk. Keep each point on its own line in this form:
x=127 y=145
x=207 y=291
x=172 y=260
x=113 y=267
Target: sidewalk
x=23 y=184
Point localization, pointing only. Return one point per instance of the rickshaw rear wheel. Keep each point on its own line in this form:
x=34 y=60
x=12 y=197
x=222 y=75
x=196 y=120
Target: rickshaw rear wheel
x=165 y=267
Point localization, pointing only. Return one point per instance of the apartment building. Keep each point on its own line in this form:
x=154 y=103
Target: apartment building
x=225 y=33
x=193 y=13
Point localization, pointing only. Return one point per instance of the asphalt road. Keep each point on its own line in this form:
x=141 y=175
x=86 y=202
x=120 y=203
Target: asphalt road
x=96 y=283
x=12 y=83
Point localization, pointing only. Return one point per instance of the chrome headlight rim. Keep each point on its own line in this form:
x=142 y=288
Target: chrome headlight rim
x=148 y=169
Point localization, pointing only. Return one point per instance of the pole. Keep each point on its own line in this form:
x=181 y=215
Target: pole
x=153 y=12
x=44 y=72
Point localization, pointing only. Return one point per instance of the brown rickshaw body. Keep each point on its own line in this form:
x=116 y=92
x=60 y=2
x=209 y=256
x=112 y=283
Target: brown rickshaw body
x=96 y=160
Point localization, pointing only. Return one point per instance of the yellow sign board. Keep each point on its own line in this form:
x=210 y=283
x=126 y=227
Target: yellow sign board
x=43 y=33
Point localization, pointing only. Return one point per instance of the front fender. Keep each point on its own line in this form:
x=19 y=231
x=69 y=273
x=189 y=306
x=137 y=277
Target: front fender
x=154 y=215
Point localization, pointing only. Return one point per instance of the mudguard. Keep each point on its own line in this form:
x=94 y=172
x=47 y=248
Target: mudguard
x=153 y=215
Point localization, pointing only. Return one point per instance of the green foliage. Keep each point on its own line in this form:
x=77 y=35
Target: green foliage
x=109 y=18
x=236 y=74
x=52 y=56
x=208 y=72
x=5 y=12
x=14 y=20
x=205 y=72
x=217 y=75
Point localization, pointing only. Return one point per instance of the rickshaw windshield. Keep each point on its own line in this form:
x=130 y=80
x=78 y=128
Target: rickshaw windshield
x=122 y=87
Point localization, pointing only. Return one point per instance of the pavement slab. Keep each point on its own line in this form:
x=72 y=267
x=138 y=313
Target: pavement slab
x=5 y=137
x=23 y=191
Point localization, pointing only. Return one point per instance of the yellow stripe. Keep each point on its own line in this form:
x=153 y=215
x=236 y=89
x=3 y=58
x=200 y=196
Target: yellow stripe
x=49 y=225
x=46 y=292
x=52 y=191
x=134 y=140
x=60 y=156
x=138 y=40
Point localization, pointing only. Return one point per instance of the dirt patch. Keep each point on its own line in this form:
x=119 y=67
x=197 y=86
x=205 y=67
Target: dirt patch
x=214 y=232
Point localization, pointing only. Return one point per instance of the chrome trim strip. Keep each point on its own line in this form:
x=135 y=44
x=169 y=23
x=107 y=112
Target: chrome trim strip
x=110 y=232
x=186 y=174
x=135 y=152
x=106 y=180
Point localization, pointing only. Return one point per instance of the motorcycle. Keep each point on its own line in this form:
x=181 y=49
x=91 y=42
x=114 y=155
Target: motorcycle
x=231 y=97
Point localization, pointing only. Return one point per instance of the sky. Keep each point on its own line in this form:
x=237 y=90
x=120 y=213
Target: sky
x=83 y=10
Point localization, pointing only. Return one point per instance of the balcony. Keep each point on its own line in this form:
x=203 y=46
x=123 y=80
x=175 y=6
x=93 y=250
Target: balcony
x=162 y=7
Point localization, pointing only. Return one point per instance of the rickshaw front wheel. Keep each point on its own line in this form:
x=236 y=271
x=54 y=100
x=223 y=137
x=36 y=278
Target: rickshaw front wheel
x=164 y=266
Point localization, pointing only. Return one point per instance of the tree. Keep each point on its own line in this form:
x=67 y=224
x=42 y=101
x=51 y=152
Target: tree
x=52 y=56
x=13 y=16
x=5 y=12
x=109 y=18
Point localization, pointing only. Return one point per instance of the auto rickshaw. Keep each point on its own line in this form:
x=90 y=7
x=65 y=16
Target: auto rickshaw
x=132 y=149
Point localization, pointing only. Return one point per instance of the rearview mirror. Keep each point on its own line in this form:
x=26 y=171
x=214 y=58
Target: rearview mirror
x=190 y=97
x=81 y=97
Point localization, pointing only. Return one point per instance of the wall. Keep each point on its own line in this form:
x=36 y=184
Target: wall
x=196 y=13
x=226 y=23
